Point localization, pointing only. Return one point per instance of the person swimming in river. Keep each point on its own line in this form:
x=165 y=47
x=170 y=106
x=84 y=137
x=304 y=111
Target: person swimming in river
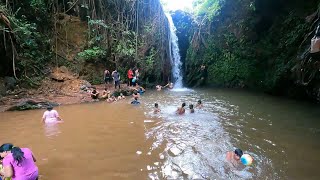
x=135 y=101
x=121 y=96
x=50 y=116
x=159 y=87
x=169 y=85
x=112 y=99
x=191 y=108
x=199 y=104
x=181 y=109
x=234 y=157
x=136 y=95
x=156 y=108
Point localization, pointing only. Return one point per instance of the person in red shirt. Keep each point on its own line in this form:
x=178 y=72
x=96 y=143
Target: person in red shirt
x=130 y=76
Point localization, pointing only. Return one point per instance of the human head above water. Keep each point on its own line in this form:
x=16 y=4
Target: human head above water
x=17 y=153
x=238 y=153
x=156 y=105
x=191 y=106
x=199 y=101
x=183 y=104
x=49 y=108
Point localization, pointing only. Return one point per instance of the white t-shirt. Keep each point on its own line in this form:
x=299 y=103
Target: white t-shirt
x=50 y=116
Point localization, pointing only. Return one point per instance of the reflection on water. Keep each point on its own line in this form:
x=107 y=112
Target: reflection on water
x=119 y=141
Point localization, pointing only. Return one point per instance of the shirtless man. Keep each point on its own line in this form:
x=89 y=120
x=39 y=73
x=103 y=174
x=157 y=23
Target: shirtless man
x=181 y=109
x=107 y=77
x=169 y=85
x=159 y=87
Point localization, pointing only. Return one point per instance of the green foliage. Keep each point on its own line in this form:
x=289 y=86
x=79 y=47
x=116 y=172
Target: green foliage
x=209 y=8
x=92 y=54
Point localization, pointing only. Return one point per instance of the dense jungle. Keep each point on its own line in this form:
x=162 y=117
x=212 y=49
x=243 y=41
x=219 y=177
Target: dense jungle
x=263 y=45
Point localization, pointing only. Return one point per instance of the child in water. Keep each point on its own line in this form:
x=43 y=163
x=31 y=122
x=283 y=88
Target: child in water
x=234 y=157
x=156 y=108
x=121 y=96
x=199 y=104
x=191 y=108
x=135 y=101
x=181 y=109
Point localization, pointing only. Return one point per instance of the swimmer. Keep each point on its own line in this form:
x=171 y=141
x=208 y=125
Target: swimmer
x=121 y=96
x=199 y=104
x=112 y=99
x=191 y=108
x=169 y=85
x=50 y=115
x=140 y=89
x=181 y=109
x=159 y=87
x=136 y=95
x=135 y=101
x=156 y=108
x=234 y=157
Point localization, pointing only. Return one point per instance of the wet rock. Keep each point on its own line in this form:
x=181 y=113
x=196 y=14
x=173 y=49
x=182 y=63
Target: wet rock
x=175 y=151
x=10 y=83
x=31 y=104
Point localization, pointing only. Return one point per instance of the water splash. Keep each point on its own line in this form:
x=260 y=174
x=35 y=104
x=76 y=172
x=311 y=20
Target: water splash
x=174 y=54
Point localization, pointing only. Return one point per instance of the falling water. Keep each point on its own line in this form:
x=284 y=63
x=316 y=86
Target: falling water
x=174 y=54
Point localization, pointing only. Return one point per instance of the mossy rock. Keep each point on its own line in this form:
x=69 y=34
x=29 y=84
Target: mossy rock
x=30 y=104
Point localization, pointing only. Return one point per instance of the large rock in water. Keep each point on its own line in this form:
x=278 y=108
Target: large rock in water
x=30 y=104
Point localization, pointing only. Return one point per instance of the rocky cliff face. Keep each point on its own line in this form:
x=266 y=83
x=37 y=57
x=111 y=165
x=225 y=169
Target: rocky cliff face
x=262 y=45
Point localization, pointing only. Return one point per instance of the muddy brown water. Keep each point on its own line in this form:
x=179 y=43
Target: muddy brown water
x=101 y=141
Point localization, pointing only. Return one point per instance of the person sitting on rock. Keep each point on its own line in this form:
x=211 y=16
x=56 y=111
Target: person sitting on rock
x=181 y=109
x=105 y=94
x=94 y=94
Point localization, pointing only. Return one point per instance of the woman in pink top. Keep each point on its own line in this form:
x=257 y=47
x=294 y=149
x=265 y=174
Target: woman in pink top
x=18 y=163
x=50 y=116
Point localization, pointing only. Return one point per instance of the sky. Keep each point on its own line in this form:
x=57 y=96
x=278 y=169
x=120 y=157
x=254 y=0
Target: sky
x=172 y=5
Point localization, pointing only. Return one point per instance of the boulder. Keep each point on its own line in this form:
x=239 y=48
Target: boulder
x=61 y=74
x=31 y=104
x=10 y=83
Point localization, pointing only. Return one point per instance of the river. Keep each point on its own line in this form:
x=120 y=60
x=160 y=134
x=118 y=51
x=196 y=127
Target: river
x=119 y=141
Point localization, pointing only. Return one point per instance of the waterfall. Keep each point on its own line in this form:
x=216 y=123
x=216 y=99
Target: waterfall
x=174 y=54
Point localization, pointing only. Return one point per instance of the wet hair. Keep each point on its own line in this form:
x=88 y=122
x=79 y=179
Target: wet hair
x=17 y=153
x=136 y=98
x=183 y=104
x=191 y=106
x=199 y=101
x=106 y=89
x=49 y=108
x=156 y=105
x=135 y=92
x=238 y=152
x=94 y=91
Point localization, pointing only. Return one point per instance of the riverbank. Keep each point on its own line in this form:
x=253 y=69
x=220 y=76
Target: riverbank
x=55 y=93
